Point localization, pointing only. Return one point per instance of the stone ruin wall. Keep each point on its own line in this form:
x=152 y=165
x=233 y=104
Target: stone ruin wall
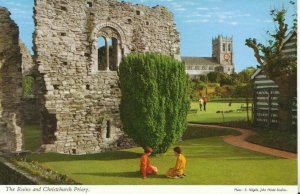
x=27 y=61
x=30 y=110
x=82 y=103
x=10 y=84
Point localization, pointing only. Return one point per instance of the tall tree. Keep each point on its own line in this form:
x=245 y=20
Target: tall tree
x=277 y=66
x=155 y=100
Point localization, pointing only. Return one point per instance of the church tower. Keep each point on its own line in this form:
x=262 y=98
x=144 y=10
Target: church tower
x=222 y=51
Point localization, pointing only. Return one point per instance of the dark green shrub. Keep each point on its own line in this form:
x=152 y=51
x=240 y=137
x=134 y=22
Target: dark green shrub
x=203 y=78
x=155 y=100
x=214 y=77
x=279 y=139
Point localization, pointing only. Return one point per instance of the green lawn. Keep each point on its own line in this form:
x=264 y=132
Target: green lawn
x=210 y=116
x=210 y=161
x=32 y=137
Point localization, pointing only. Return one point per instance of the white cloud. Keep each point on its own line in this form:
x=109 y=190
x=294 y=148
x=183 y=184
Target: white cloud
x=264 y=20
x=233 y=23
x=202 y=8
x=180 y=9
x=198 y=21
x=243 y=15
x=195 y=15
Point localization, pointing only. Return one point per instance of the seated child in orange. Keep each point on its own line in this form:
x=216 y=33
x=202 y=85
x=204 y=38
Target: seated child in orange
x=177 y=172
x=145 y=167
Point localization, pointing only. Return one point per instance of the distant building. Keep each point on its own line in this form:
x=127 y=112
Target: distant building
x=221 y=60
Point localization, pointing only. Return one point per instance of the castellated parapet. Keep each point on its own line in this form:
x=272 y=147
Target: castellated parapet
x=10 y=84
x=79 y=93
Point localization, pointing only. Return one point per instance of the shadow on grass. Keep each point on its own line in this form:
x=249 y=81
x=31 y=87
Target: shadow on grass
x=108 y=156
x=132 y=174
x=196 y=132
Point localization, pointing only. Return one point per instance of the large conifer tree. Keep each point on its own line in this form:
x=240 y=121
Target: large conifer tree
x=155 y=100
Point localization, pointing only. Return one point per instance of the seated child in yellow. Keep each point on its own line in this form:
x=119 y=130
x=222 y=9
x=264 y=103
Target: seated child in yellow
x=180 y=165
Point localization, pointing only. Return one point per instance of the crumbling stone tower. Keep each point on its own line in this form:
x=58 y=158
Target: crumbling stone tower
x=10 y=84
x=79 y=93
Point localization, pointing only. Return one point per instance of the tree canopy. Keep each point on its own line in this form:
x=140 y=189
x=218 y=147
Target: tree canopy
x=155 y=99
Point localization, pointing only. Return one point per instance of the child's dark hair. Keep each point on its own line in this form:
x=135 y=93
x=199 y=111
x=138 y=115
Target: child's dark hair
x=177 y=150
x=148 y=150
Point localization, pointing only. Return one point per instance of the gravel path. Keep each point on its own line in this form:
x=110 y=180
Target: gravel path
x=240 y=141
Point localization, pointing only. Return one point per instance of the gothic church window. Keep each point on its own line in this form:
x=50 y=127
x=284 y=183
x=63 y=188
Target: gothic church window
x=224 y=47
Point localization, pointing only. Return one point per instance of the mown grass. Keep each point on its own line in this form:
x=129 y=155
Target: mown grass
x=32 y=137
x=210 y=116
x=210 y=161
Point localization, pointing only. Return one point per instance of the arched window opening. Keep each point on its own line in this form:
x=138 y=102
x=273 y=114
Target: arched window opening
x=114 y=54
x=102 y=54
x=107 y=48
x=108 y=54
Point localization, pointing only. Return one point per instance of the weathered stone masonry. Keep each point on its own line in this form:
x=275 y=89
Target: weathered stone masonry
x=30 y=110
x=79 y=101
x=10 y=84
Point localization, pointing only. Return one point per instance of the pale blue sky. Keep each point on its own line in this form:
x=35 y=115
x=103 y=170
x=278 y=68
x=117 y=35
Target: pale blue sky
x=197 y=21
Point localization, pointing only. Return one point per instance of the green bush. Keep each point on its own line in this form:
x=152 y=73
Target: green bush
x=28 y=82
x=155 y=100
x=283 y=140
x=203 y=78
x=214 y=77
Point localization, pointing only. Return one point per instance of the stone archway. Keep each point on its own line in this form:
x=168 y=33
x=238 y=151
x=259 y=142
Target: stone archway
x=114 y=54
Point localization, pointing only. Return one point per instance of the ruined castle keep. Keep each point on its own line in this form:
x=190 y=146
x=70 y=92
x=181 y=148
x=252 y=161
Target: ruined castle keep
x=10 y=84
x=77 y=85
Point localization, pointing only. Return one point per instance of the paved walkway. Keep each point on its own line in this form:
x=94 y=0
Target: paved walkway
x=240 y=141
